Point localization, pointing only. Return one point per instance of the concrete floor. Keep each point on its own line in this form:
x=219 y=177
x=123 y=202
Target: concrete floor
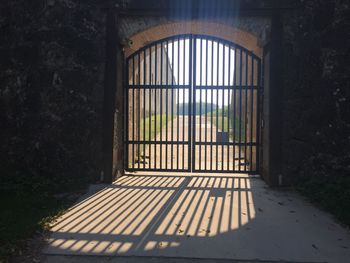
x=132 y=259
x=208 y=216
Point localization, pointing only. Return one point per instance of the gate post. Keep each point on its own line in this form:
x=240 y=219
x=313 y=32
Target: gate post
x=274 y=176
x=110 y=82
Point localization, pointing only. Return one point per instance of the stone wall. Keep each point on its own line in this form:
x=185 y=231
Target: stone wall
x=51 y=87
x=51 y=90
x=316 y=77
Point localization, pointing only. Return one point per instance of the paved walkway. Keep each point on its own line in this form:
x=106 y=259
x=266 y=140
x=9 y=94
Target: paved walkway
x=199 y=216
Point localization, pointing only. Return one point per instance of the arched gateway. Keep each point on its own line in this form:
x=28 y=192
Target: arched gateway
x=193 y=103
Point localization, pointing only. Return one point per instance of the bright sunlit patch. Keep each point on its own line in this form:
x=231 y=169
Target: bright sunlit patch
x=173 y=209
x=150 y=245
x=125 y=247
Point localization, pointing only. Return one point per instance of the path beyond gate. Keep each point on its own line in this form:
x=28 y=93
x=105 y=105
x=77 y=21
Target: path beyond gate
x=193 y=103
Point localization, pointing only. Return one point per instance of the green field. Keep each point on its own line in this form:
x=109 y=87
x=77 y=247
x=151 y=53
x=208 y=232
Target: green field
x=151 y=132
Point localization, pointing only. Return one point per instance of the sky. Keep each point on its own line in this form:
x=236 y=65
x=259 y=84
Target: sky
x=211 y=58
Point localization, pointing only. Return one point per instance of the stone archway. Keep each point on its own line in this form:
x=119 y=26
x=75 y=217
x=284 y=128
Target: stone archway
x=217 y=29
x=134 y=32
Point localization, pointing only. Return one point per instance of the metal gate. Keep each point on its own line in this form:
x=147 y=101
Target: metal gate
x=193 y=104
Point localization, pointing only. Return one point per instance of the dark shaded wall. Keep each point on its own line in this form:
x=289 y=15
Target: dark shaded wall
x=51 y=90
x=316 y=103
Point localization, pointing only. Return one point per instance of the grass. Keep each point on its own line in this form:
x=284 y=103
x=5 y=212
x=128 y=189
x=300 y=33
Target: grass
x=21 y=216
x=27 y=205
x=158 y=120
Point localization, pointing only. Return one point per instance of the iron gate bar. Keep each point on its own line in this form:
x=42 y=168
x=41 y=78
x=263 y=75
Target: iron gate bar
x=149 y=107
x=199 y=143
x=190 y=81
x=183 y=98
x=234 y=107
x=217 y=103
x=133 y=114
x=139 y=102
x=126 y=112
x=177 y=97
x=240 y=110
x=200 y=103
x=206 y=97
x=251 y=113
x=166 y=110
x=228 y=105
x=194 y=39
x=137 y=88
x=223 y=108
x=155 y=105
x=225 y=87
x=144 y=109
x=161 y=103
x=212 y=103
x=246 y=110
x=172 y=104
x=258 y=118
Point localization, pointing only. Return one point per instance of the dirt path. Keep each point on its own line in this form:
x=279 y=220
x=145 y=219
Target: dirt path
x=176 y=156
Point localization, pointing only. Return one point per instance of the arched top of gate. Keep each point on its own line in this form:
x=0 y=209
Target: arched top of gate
x=217 y=31
x=194 y=36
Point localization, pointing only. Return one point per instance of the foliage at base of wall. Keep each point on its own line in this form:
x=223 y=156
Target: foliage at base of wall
x=332 y=193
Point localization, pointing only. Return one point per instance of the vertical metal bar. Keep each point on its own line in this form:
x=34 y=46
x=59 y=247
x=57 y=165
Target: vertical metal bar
x=190 y=79
x=223 y=105
x=155 y=105
x=161 y=105
x=212 y=102
x=133 y=112
x=245 y=111
x=217 y=105
x=167 y=106
x=258 y=117
x=139 y=110
x=194 y=103
x=228 y=106
x=183 y=104
x=251 y=114
x=126 y=112
x=240 y=110
x=234 y=107
x=178 y=101
x=172 y=104
x=144 y=108
x=150 y=110
x=200 y=104
x=206 y=102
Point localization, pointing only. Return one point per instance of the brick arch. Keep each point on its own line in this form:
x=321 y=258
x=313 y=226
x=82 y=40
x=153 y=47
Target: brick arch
x=230 y=33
